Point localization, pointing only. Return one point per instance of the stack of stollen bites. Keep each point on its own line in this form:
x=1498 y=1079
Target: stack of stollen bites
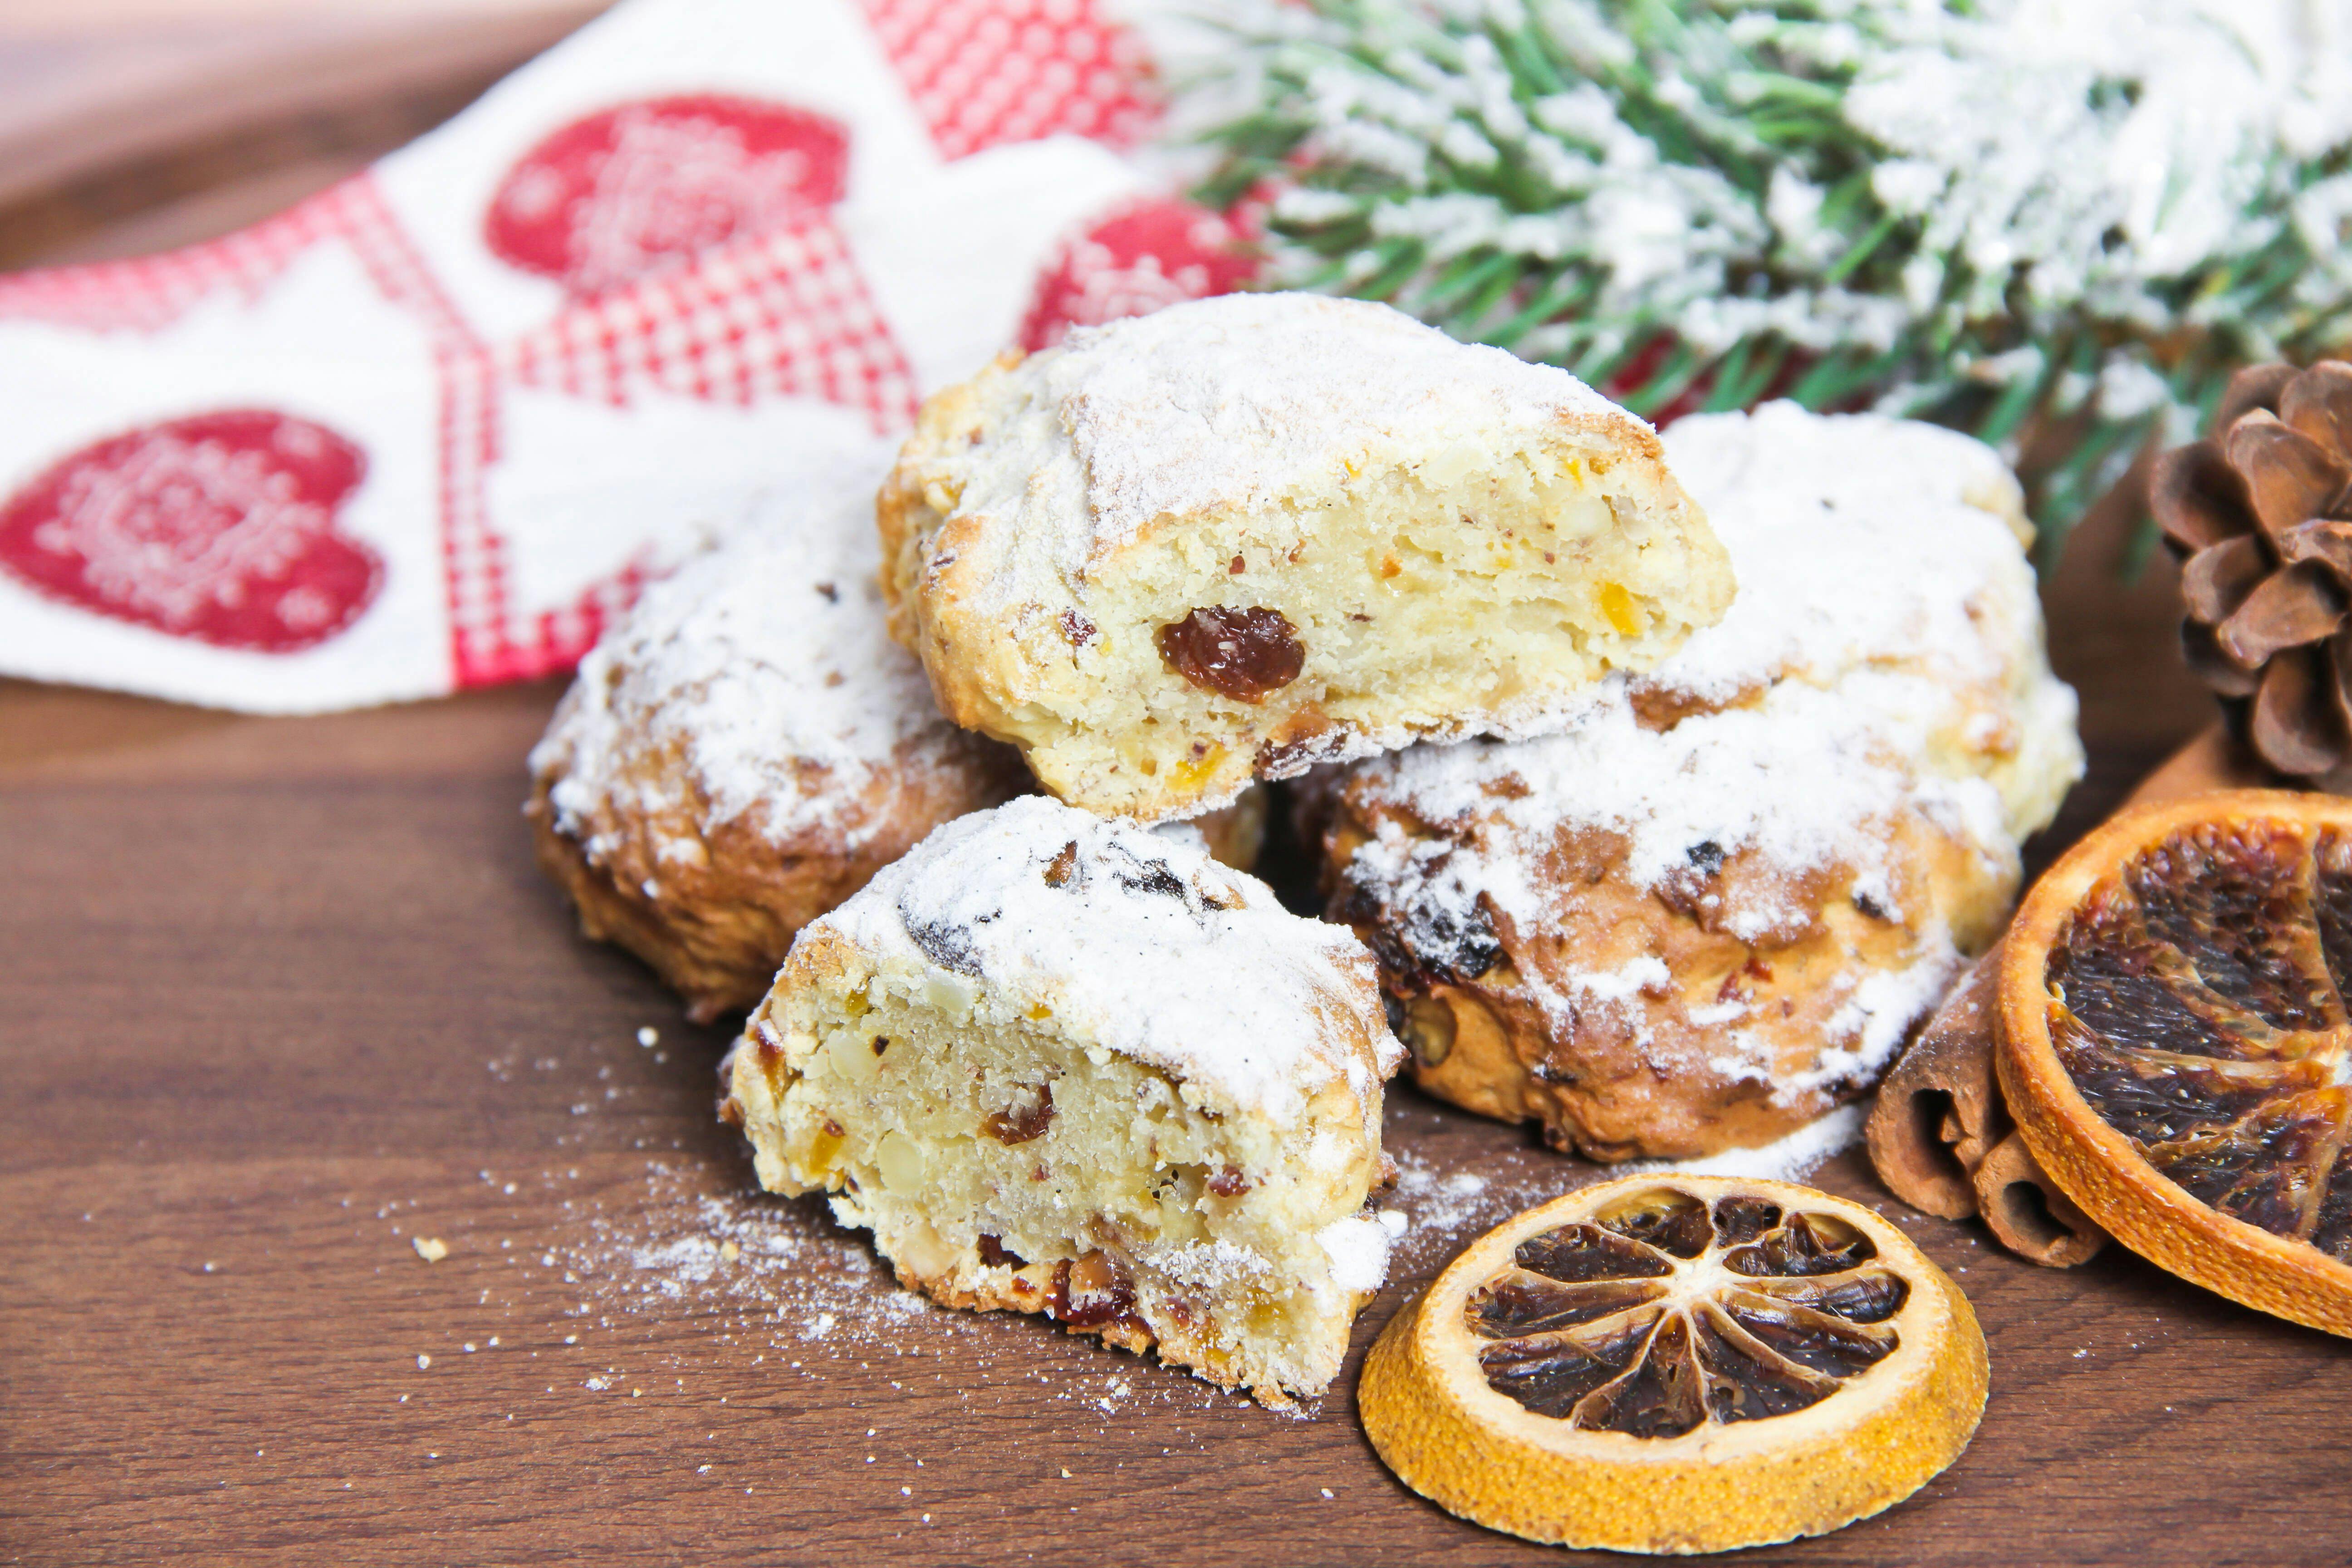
x=1059 y=1062
x=1362 y=460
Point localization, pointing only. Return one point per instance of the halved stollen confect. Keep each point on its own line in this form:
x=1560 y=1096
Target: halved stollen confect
x=1062 y=1064
x=1246 y=534
x=1717 y=906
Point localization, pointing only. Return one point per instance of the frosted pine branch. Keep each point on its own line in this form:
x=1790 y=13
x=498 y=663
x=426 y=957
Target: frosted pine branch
x=2067 y=219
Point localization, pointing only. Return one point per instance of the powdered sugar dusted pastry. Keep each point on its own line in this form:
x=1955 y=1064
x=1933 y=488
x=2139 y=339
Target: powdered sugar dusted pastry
x=1060 y=1064
x=744 y=750
x=1717 y=905
x=1249 y=533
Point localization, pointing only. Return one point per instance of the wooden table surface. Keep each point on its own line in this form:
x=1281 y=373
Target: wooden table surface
x=278 y=998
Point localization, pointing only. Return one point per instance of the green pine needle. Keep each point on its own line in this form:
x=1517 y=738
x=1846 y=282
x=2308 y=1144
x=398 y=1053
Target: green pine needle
x=1497 y=168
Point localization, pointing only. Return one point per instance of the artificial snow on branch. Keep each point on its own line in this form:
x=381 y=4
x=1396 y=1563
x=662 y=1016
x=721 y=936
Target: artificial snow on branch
x=2058 y=225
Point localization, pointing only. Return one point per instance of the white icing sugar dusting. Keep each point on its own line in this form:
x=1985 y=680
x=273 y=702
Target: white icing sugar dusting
x=1807 y=779
x=1881 y=585
x=1788 y=1159
x=768 y=653
x=1855 y=539
x=1247 y=400
x=1795 y=777
x=1140 y=944
x=1357 y=1247
x=1647 y=973
x=1878 y=1008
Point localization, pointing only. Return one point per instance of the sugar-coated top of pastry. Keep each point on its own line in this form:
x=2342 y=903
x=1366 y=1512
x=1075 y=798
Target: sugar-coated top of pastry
x=1808 y=780
x=767 y=654
x=1884 y=596
x=1858 y=539
x=1800 y=778
x=1246 y=399
x=1137 y=942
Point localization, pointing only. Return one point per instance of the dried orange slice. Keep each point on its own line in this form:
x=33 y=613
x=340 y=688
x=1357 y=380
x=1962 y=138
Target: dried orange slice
x=1678 y=1363
x=2176 y=1046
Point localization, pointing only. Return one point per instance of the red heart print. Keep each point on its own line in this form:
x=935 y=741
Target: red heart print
x=220 y=528
x=633 y=190
x=1150 y=253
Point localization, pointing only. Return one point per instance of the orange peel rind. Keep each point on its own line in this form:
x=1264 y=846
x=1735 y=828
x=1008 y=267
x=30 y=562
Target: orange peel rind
x=2175 y=1043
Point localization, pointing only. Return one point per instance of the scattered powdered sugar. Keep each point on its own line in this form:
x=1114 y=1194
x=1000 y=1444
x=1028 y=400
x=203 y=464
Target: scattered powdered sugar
x=766 y=654
x=774 y=1263
x=1436 y=1210
x=1788 y=1159
x=1357 y=1247
x=1140 y=944
x=1245 y=401
x=1448 y=1201
x=648 y=1273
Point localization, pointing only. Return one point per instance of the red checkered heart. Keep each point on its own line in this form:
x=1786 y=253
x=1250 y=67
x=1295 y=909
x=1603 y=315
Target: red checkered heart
x=1148 y=254
x=634 y=190
x=221 y=527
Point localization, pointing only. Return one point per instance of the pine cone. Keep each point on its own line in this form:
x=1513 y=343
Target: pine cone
x=2259 y=512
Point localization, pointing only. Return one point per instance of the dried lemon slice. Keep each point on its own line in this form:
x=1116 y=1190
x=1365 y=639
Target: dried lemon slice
x=2176 y=1046
x=1678 y=1363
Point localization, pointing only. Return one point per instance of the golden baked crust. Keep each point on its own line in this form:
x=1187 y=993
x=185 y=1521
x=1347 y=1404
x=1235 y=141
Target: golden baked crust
x=1247 y=534
x=1724 y=1008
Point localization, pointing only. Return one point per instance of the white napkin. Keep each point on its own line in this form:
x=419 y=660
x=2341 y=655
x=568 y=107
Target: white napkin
x=433 y=429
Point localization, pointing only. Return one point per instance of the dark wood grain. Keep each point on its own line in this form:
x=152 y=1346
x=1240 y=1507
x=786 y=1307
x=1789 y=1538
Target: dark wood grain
x=278 y=997
x=281 y=995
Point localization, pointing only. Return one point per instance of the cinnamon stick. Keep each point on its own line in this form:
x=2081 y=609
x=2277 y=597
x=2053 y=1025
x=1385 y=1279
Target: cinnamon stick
x=2215 y=760
x=2026 y=1212
x=1941 y=1137
x=1943 y=1141
x=1940 y=1109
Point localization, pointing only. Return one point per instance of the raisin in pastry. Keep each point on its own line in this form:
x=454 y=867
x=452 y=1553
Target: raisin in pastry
x=1060 y=1063
x=1717 y=905
x=1246 y=534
